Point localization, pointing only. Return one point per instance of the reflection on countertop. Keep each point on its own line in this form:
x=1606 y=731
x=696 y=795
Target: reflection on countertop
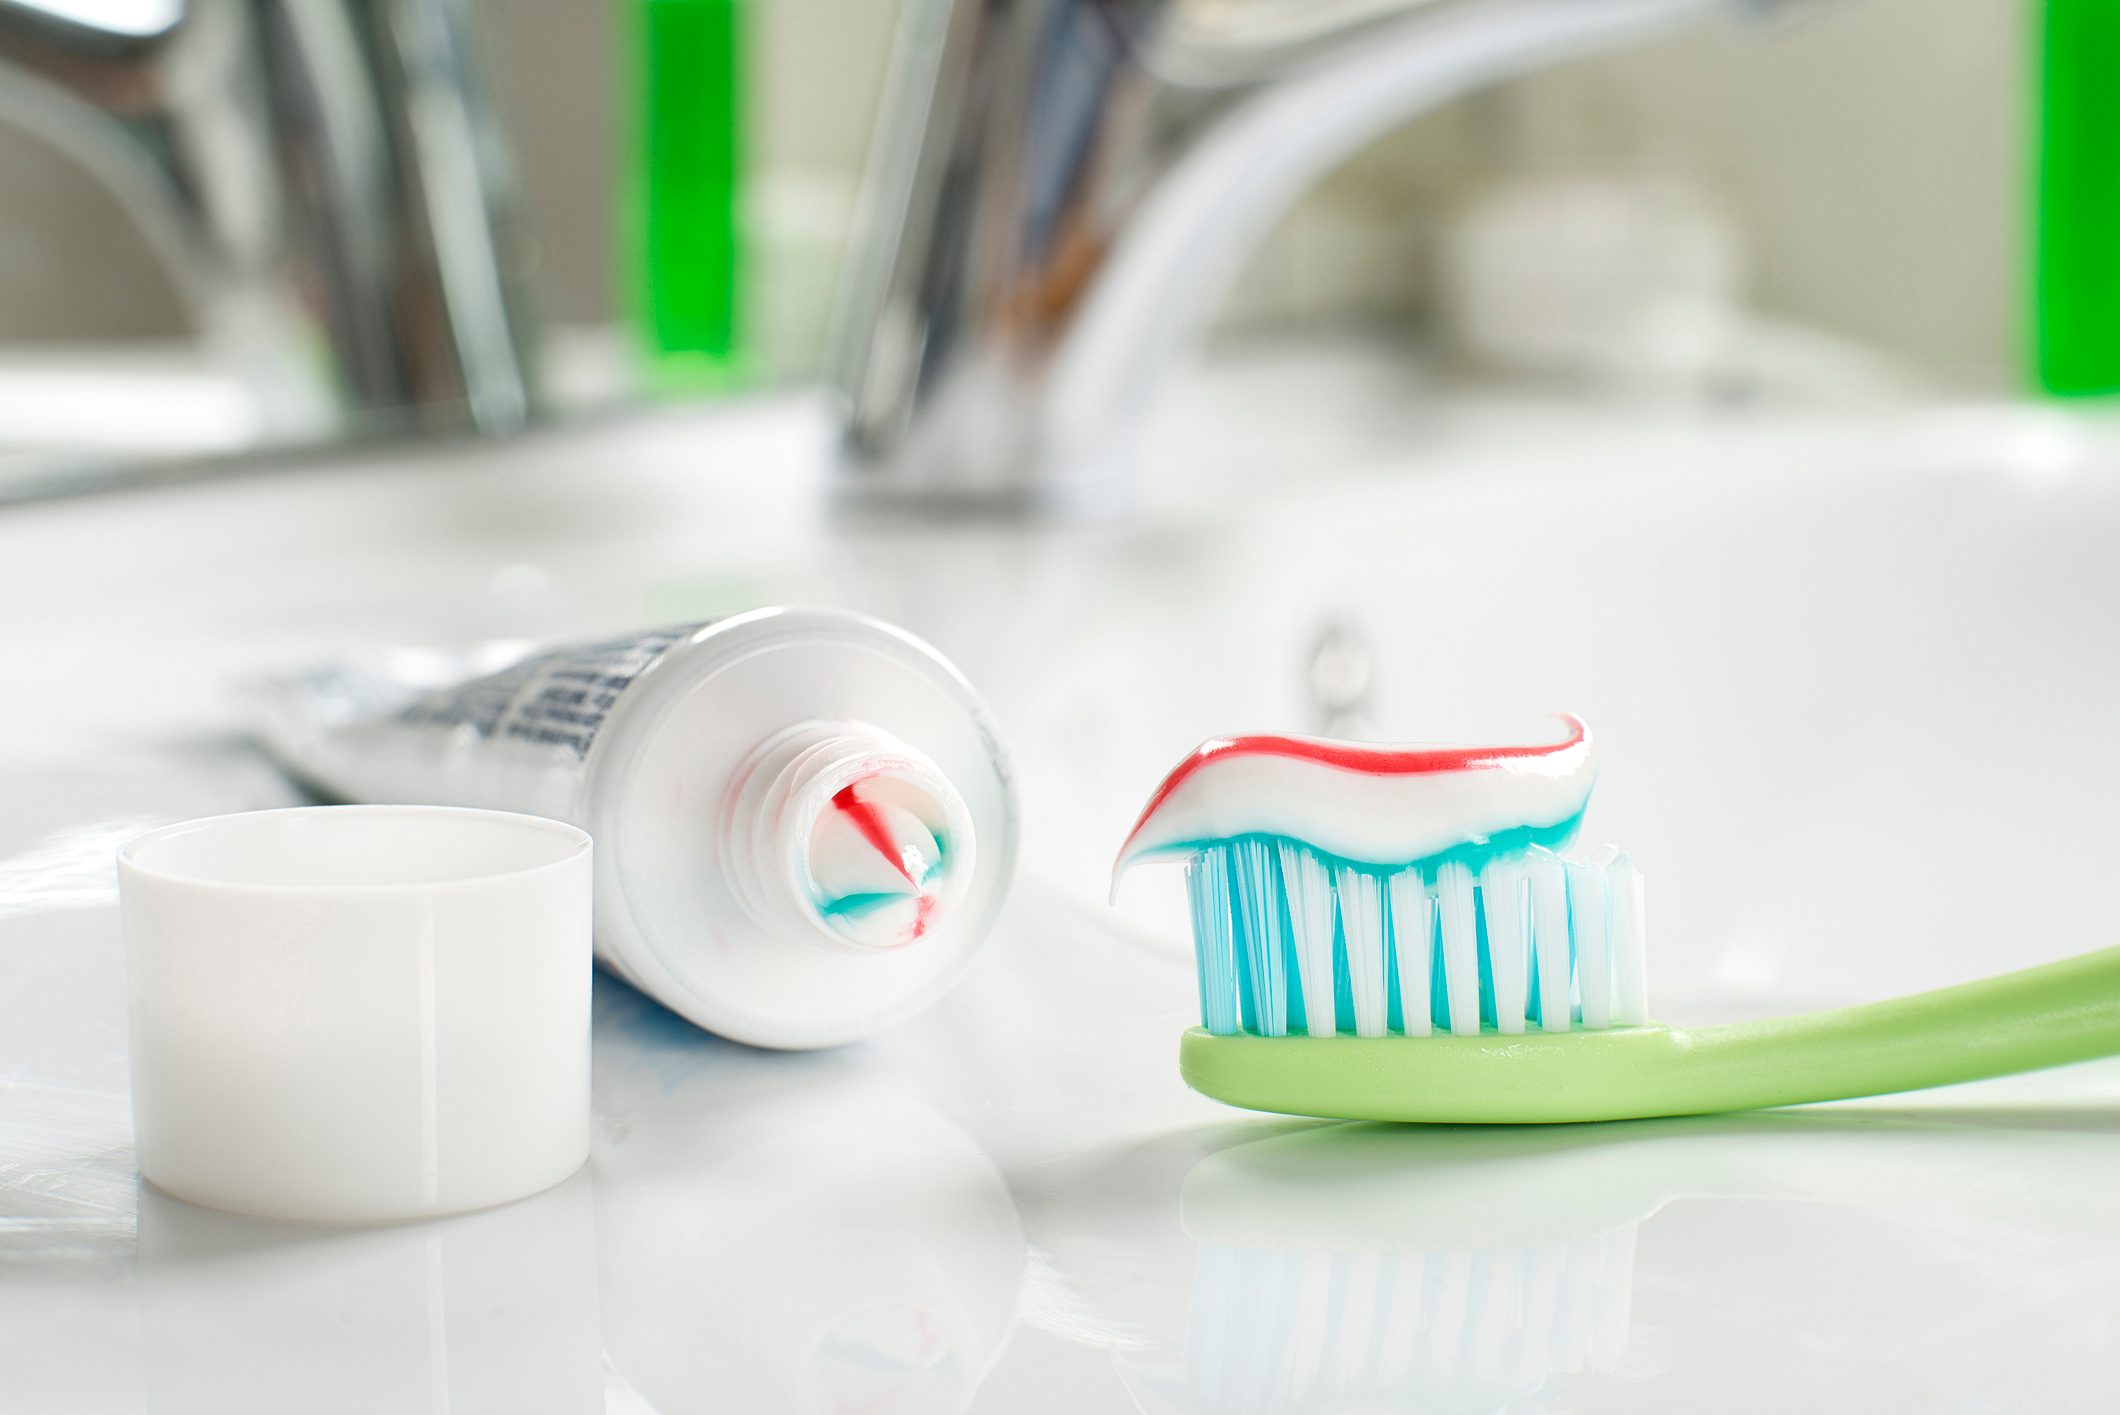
x=784 y=1233
x=486 y=1312
x=1292 y=1266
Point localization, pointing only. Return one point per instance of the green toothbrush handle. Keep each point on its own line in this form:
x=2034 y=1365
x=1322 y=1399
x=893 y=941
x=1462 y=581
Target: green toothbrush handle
x=2023 y=1021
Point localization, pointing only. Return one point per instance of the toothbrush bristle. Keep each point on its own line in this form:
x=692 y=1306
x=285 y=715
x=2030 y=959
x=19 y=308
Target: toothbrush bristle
x=1308 y=882
x=1293 y=941
x=1506 y=958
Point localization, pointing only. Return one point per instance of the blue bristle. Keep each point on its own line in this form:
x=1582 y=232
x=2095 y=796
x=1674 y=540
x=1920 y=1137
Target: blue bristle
x=1342 y=986
x=1484 y=951
x=1534 y=1004
x=1394 y=1005
x=1207 y=881
x=1438 y=991
x=1261 y=939
x=1248 y=934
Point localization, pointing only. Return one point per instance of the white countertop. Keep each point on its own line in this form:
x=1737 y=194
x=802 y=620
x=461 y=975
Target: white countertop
x=1855 y=680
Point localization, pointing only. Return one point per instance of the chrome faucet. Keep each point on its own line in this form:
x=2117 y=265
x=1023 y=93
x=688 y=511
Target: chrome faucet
x=321 y=178
x=1061 y=187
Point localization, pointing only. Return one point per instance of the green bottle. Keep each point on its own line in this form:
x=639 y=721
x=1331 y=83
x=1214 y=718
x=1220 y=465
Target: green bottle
x=684 y=241
x=2076 y=237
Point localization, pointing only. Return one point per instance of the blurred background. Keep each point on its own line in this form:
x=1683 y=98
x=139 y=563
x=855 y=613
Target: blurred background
x=1829 y=201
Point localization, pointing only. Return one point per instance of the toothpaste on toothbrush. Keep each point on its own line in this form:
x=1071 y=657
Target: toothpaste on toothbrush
x=1367 y=803
x=1366 y=889
x=803 y=819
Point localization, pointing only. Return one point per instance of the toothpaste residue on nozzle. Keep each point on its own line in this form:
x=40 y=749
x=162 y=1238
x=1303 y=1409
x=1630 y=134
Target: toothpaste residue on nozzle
x=876 y=864
x=1373 y=804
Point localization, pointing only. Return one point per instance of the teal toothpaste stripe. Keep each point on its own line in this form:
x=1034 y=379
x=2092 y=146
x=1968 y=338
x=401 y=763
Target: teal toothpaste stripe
x=853 y=906
x=1473 y=854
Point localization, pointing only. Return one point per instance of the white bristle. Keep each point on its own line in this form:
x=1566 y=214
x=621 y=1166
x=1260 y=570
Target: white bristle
x=1362 y=926
x=1459 y=929
x=1309 y=885
x=1413 y=937
x=1549 y=940
x=1593 y=967
x=1262 y=936
x=1502 y=900
x=1207 y=884
x=1629 y=943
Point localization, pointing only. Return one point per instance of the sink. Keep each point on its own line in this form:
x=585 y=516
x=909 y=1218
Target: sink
x=1852 y=675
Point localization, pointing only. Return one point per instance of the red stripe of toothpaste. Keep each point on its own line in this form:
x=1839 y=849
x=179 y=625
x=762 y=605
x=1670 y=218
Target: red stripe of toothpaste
x=866 y=820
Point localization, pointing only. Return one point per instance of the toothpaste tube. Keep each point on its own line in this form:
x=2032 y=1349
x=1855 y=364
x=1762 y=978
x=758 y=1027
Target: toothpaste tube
x=804 y=820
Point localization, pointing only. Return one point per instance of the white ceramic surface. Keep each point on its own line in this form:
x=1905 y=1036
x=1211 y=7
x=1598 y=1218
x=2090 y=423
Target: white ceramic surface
x=1853 y=679
x=358 y=1013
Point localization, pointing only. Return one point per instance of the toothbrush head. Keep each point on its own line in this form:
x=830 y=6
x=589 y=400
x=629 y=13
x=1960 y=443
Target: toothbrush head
x=1290 y=941
x=1347 y=887
x=1352 y=892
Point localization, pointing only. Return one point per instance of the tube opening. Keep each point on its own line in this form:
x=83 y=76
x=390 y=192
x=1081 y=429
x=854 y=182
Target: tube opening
x=843 y=835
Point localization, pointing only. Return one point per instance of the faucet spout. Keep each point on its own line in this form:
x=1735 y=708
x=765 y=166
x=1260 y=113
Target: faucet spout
x=322 y=179
x=1064 y=187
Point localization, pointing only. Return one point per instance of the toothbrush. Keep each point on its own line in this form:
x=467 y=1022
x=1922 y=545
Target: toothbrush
x=1395 y=933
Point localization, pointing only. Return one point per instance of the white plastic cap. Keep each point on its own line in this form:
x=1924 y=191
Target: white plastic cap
x=358 y=1013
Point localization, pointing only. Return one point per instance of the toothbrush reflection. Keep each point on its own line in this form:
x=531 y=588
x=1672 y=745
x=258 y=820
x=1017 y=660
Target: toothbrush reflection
x=787 y=1232
x=492 y=1311
x=1448 y=1275
x=1364 y=1267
